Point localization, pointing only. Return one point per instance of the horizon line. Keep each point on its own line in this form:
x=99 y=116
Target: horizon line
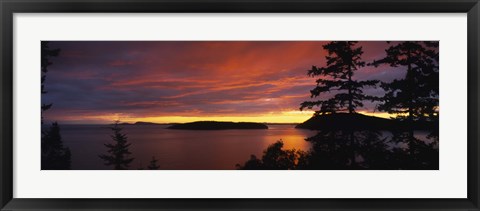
x=206 y=120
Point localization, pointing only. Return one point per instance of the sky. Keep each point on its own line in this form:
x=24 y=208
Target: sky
x=94 y=82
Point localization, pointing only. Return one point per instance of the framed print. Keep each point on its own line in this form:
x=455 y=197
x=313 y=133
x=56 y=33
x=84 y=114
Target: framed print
x=255 y=105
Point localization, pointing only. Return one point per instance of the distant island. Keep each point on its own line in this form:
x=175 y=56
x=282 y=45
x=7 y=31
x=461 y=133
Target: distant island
x=358 y=121
x=142 y=123
x=214 y=125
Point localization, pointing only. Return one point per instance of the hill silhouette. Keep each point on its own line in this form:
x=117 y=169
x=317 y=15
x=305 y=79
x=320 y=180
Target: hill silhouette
x=356 y=121
x=214 y=125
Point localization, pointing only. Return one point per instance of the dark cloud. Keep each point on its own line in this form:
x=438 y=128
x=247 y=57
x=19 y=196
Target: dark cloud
x=144 y=79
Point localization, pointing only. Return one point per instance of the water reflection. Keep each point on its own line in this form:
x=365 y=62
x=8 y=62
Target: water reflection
x=179 y=149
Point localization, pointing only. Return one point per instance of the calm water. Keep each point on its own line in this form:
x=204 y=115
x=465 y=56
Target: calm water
x=179 y=149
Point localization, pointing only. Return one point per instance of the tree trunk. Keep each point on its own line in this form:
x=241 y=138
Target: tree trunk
x=410 y=84
x=353 y=165
x=350 y=94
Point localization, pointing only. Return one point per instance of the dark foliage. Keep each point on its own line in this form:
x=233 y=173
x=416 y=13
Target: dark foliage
x=338 y=150
x=331 y=150
x=343 y=150
x=46 y=54
x=275 y=158
x=414 y=97
x=153 y=164
x=342 y=61
x=54 y=155
x=118 y=152
x=417 y=154
x=369 y=150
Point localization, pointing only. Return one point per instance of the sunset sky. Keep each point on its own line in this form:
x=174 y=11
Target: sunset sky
x=183 y=81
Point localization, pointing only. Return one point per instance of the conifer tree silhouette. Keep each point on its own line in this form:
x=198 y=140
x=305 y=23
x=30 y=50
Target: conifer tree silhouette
x=54 y=156
x=343 y=59
x=118 y=152
x=46 y=54
x=153 y=164
x=414 y=97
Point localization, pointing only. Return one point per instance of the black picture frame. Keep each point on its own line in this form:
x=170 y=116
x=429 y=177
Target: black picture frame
x=9 y=7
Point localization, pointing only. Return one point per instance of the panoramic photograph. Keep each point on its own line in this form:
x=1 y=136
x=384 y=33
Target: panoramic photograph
x=239 y=105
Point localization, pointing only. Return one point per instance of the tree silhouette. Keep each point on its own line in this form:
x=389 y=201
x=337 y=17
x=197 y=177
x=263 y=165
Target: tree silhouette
x=46 y=54
x=331 y=149
x=334 y=150
x=275 y=158
x=414 y=97
x=153 y=164
x=54 y=155
x=252 y=164
x=340 y=143
x=118 y=152
x=418 y=155
x=342 y=61
x=347 y=149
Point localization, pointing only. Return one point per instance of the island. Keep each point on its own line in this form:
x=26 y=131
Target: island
x=214 y=125
x=141 y=123
x=356 y=121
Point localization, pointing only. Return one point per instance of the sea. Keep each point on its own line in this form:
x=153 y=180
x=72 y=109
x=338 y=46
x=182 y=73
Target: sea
x=179 y=149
